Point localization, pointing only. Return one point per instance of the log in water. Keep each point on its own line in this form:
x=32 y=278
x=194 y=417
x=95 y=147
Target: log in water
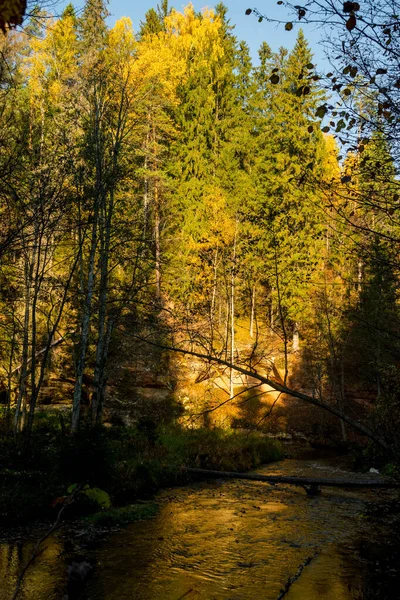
x=302 y=481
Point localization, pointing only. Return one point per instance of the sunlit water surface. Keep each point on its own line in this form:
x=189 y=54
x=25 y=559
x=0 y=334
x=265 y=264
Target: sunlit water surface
x=223 y=540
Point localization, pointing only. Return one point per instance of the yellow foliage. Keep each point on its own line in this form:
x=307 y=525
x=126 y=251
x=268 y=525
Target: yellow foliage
x=121 y=47
x=331 y=165
x=189 y=41
x=52 y=61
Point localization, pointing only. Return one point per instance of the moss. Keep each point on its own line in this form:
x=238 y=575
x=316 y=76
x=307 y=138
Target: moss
x=118 y=517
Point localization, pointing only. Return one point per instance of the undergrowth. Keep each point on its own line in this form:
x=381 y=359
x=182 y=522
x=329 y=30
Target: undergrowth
x=128 y=463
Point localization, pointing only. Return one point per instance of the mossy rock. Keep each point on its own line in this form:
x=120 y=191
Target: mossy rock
x=98 y=497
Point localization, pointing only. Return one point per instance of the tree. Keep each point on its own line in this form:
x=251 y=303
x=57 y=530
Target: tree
x=38 y=190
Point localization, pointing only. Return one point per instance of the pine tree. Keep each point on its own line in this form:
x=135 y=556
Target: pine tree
x=288 y=160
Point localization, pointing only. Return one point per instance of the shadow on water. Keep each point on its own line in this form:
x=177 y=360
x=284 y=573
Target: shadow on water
x=234 y=540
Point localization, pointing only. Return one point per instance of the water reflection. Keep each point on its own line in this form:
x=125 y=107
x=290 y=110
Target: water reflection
x=44 y=580
x=221 y=541
x=237 y=540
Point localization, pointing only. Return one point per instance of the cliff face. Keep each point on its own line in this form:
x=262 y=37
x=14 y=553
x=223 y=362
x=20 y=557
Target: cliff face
x=153 y=384
x=147 y=383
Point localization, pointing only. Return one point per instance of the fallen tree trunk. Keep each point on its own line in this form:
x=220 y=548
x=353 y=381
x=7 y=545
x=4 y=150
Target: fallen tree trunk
x=302 y=481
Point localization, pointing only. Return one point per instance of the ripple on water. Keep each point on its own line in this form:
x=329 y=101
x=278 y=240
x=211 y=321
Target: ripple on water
x=228 y=540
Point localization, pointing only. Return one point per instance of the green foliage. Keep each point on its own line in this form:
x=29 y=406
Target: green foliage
x=165 y=171
x=391 y=470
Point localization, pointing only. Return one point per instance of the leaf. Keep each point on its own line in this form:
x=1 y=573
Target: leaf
x=329 y=74
x=351 y=23
x=275 y=70
x=309 y=65
x=345 y=179
x=353 y=71
x=74 y=486
x=306 y=90
x=289 y=26
x=347 y=92
x=260 y=19
x=310 y=129
x=248 y=11
x=321 y=111
x=381 y=71
x=397 y=84
x=274 y=79
x=325 y=129
x=349 y=7
x=280 y=2
x=58 y=501
x=340 y=125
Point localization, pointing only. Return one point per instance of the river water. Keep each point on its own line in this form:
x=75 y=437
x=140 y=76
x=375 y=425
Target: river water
x=231 y=540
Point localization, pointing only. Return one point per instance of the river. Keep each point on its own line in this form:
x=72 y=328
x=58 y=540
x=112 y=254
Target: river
x=232 y=540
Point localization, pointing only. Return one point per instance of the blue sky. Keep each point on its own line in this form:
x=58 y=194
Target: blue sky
x=246 y=27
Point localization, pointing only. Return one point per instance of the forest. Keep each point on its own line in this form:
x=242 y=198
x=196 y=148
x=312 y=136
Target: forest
x=199 y=274
x=196 y=250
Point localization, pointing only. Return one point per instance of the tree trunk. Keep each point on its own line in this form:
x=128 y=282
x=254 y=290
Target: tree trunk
x=300 y=481
x=282 y=318
x=342 y=397
x=102 y=344
x=232 y=348
x=85 y=322
x=252 y=310
x=214 y=289
x=296 y=338
x=157 y=241
x=21 y=398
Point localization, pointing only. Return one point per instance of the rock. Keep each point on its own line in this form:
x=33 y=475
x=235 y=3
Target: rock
x=372 y=470
x=281 y=436
x=98 y=497
x=77 y=574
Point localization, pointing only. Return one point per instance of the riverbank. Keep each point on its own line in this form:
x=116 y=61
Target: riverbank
x=125 y=463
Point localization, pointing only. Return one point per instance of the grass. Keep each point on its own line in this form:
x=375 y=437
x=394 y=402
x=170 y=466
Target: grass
x=219 y=449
